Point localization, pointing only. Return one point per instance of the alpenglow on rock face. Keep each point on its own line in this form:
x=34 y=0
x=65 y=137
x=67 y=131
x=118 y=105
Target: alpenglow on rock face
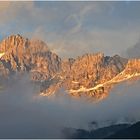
x=29 y=55
x=91 y=75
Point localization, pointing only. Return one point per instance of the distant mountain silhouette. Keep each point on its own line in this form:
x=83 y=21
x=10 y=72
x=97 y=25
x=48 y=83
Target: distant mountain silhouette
x=118 y=131
x=132 y=132
x=93 y=134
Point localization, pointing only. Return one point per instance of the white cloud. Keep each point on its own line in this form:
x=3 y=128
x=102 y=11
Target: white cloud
x=110 y=42
x=82 y=11
x=62 y=26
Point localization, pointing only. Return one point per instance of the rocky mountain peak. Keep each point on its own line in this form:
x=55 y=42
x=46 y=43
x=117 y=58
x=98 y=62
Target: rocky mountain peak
x=22 y=54
x=17 y=44
x=12 y=42
x=133 y=66
x=90 y=75
x=96 y=57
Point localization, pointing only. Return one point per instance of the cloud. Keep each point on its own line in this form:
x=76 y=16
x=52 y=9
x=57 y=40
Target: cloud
x=25 y=114
x=11 y=10
x=77 y=23
x=133 y=51
x=23 y=17
x=85 y=9
x=4 y=5
x=84 y=26
x=108 y=41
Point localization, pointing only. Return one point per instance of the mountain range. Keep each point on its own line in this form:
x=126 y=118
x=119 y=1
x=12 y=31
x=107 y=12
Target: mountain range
x=118 y=131
x=91 y=75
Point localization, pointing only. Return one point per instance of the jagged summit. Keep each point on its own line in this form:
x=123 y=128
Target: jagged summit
x=22 y=54
x=90 y=75
x=88 y=55
x=20 y=42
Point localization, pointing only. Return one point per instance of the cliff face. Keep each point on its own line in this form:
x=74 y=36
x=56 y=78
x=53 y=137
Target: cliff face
x=29 y=55
x=91 y=70
x=91 y=75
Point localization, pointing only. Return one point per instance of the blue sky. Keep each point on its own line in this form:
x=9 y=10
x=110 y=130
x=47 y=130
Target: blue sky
x=74 y=28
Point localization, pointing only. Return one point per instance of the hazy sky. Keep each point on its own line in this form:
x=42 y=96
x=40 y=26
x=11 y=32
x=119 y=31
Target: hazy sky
x=74 y=28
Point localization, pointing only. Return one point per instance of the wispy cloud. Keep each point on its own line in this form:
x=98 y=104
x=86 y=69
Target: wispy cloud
x=133 y=51
x=84 y=10
x=67 y=27
x=110 y=42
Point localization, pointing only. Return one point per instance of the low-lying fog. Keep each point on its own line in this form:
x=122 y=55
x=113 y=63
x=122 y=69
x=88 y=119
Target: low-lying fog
x=24 y=114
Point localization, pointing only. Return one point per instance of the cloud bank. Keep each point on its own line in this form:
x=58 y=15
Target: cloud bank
x=24 y=114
